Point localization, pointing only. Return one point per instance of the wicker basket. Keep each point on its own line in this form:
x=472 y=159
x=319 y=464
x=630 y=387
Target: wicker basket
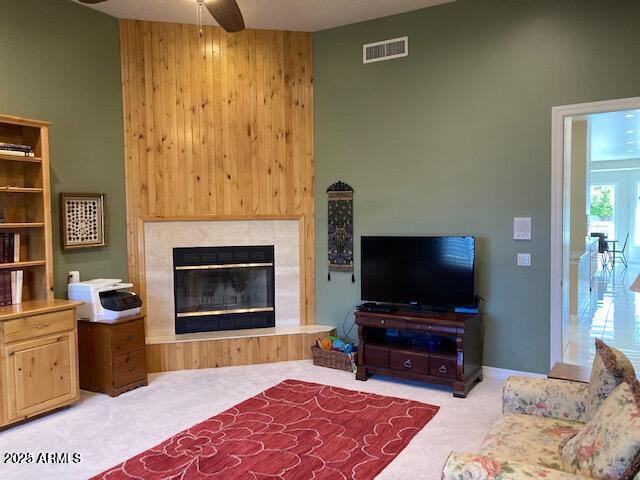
x=332 y=359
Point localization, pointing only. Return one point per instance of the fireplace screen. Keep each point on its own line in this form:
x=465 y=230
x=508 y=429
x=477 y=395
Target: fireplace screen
x=223 y=288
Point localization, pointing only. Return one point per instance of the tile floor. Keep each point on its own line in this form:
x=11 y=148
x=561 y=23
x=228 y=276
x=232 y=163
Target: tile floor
x=613 y=317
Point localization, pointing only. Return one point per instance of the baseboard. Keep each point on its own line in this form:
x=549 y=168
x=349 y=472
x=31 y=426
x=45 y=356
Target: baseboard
x=503 y=373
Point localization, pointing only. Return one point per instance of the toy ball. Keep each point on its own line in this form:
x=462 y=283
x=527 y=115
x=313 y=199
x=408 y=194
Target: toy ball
x=338 y=345
x=326 y=344
x=348 y=348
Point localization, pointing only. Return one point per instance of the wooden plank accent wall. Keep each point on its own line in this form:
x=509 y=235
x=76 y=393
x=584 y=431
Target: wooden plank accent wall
x=218 y=124
x=166 y=357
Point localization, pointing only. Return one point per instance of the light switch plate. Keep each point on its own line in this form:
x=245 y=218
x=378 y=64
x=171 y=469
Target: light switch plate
x=524 y=259
x=522 y=228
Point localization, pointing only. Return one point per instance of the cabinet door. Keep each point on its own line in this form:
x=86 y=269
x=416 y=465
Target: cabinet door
x=42 y=374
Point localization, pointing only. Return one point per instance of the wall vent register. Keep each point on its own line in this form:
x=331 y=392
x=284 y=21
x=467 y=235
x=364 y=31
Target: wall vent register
x=223 y=288
x=385 y=50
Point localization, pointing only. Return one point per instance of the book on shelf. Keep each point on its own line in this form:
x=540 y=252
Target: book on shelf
x=9 y=248
x=16 y=153
x=11 y=287
x=16 y=146
x=16 y=286
x=19 y=147
x=16 y=247
x=5 y=288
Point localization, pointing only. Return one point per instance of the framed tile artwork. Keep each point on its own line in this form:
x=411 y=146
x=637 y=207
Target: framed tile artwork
x=82 y=216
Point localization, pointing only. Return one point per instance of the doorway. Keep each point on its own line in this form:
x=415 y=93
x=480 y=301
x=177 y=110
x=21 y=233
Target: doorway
x=595 y=226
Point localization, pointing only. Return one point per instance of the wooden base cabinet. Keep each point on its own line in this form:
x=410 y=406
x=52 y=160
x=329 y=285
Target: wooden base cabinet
x=39 y=359
x=445 y=349
x=112 y=355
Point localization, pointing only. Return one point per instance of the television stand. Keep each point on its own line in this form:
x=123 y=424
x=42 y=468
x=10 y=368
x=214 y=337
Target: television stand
x=440 y=348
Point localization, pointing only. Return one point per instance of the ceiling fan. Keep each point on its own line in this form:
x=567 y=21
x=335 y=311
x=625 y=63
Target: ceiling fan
x=226 y=12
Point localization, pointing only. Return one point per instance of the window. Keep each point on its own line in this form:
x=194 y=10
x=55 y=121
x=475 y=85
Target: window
x=602 y=210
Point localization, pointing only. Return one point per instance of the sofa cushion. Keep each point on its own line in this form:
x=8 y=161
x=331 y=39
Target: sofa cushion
x=610 y=368
x=545 y=397
x=473 y=466
x=529 y=439
x=608 y=447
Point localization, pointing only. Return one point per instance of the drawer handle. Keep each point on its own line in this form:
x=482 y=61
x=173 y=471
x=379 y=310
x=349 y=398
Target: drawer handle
x=130 y=337
x=443 y=369
x=131 y=369
x=408 y=364
x=42 y=325
x=381 y=322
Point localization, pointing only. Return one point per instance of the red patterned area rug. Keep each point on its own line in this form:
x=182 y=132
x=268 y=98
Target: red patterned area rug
x=294 y=431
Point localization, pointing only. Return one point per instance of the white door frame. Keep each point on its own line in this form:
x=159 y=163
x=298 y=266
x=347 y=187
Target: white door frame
x=558 y=115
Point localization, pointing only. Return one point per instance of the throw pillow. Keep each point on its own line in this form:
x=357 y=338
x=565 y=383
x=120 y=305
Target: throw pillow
x=610 y=368
x=608 y=447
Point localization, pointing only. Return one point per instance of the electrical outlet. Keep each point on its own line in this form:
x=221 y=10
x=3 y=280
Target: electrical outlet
x=524 y=259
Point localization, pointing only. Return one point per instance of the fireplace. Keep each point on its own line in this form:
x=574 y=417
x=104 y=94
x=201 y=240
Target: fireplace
x=223 y=288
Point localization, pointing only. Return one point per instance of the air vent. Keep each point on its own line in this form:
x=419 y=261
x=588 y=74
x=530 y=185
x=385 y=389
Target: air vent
x=385 y=50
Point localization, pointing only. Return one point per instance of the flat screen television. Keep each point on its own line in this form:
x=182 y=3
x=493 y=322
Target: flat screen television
x=429 y=271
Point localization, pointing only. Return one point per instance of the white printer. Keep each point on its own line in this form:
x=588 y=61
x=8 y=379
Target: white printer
x=104 y=299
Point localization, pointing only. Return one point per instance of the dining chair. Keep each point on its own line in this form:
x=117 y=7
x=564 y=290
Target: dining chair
x=603 y=248
x=621 y=252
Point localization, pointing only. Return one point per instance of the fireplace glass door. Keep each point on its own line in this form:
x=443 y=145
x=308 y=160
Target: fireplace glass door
x=223 y=288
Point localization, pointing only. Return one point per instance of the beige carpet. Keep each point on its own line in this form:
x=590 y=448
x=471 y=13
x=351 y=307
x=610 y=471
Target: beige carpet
x=106 y=431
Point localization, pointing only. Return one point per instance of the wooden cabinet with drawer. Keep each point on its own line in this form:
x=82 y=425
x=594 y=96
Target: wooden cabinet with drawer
x=444 y=367
x=38 y=325
x=112 y=355
x=38 y=358
x=441 y=348
x=409 y=361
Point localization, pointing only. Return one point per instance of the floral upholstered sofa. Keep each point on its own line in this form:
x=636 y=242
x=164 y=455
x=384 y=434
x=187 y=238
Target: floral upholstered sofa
x=561 y=430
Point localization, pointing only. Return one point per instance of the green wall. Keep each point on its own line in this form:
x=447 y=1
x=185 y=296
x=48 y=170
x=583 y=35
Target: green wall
x=61 y=63
x=456 y=139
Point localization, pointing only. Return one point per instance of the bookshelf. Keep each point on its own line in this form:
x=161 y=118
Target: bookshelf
x=38 y=336
x=25 y=201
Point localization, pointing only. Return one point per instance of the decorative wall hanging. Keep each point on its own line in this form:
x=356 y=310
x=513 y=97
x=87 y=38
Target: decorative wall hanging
x=82 y=216
x=340 y=229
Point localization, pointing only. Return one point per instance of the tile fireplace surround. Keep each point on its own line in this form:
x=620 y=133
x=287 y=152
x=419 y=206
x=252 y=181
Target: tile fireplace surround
x=160 y=237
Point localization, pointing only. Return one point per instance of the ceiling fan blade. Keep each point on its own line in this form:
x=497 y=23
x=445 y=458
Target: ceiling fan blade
x=91 y=2
x=227 y=14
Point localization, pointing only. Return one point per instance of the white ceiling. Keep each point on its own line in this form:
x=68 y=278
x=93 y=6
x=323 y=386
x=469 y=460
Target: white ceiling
x=297 y=15
x=615 y=135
